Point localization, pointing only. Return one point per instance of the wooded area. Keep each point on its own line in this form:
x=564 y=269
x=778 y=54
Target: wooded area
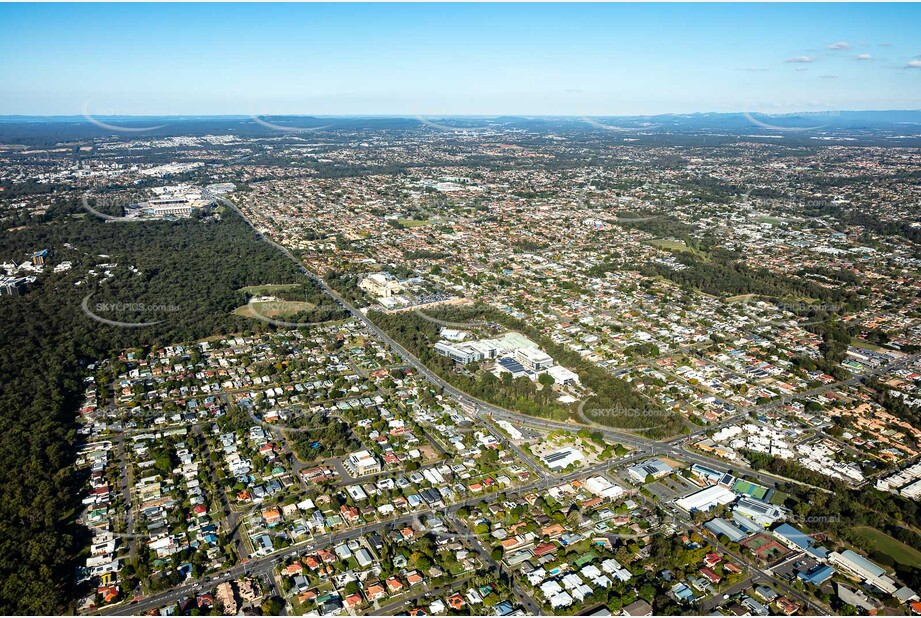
x=623 y=406
x=46 y=343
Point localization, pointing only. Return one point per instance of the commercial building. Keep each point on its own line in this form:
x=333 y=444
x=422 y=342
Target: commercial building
x=720 y=526
x=171 y=207
x=600 y=486
x=381 y=285
x=855 y=564
x=706 y=499
x=817 y=575
x=362 y=463
x=512 y=366
x=562 y=458
x=463 y=353
x=654 y=467
x=562 y=375
x=797 y=539
x=534 y=359
x=761 y=513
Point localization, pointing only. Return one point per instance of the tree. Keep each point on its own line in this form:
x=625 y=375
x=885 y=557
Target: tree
x=272 y=606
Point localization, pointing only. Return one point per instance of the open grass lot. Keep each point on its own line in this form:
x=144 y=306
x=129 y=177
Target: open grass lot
x=274 y=308
x=268 y=289
x=677 y=245
x=671 y=245
x=412 y=222
x=895 y=549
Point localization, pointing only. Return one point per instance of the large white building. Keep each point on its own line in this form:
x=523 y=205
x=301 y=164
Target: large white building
x=381 y=285
x=558 y=460
x=534 y=359
x=465 y=353
x=602 y=487
x=870 y=572
x=759 y=512
x=362 y=463
x=706 y=499
x=656 y=467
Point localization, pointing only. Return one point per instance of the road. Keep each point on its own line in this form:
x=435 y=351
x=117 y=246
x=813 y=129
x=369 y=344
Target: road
x=642 y=448
x=530 y=605
x=232 y=517
x=266 y=564
x=755 y=572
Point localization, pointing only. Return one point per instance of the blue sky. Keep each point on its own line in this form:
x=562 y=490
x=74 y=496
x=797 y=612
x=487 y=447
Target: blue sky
x=442 y=59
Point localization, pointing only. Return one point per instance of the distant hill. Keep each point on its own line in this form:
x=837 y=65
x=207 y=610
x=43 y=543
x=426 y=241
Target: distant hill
x=896 y=127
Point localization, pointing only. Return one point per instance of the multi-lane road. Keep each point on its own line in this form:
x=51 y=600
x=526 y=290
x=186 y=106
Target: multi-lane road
x=642 y=447
x=266 y=564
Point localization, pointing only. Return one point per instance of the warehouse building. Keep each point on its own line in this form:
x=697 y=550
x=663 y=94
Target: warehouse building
x=706 y=499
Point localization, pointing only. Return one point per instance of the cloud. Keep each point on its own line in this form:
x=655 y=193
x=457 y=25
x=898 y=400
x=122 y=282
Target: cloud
x=863 y=57
x=913 y=64
x=828 y=76
x=840 y=45
x=800 y=59
x=800 y=69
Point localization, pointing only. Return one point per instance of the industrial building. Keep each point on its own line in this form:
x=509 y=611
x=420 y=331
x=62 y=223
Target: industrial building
x=706 y=499
x=761 y=513
x=720 y=526
x=602 y=487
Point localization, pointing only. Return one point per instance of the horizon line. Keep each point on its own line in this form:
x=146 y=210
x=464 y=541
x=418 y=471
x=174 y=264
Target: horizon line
x=410 y=115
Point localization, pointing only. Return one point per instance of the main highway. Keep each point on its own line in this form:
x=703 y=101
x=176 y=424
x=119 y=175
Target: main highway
x=642 y=448
x=260 y=566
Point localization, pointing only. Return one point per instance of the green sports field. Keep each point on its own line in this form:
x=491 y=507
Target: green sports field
x=755 y=491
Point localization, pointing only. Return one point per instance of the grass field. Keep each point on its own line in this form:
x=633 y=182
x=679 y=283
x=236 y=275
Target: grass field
x=895 y=549
x=779 y=498
x=274 y=308
x=412 y=222
x=866 y=344
x=678 y=245
x=268 y=289
x=671 y=245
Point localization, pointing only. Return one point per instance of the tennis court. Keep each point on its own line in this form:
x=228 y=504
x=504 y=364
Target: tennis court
x=758 y=492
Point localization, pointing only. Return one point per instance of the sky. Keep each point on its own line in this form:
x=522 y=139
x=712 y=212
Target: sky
x=457 y=59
